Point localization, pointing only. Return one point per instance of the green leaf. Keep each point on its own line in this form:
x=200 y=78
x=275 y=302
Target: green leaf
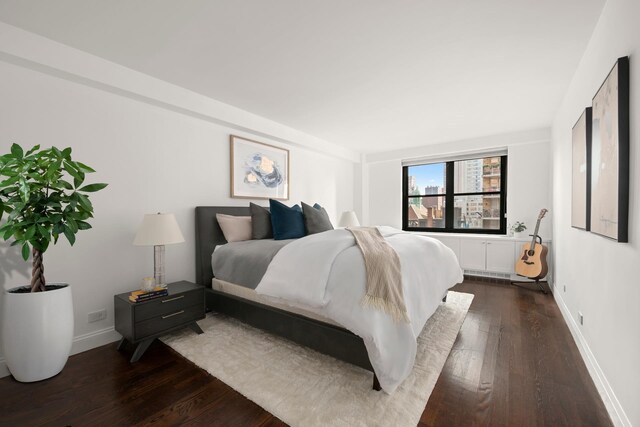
x=34 y=149
x=91 y=188
x=8 y=233
x=66 y=153
x=84 y=168
x=82 y=225
x=66 y=185
x=85 y=203
x=77 y=181
x=16 y=212
x=78 y=177
x=81 y=215
x=10 y=181
x=17 y=151
x=69 y=235
x=31 y=231
x=58 y=228
x=52 y=169
x=73 y=226
x=54 y=204
x=25 y=251
x=43 y=231
x=24 y=190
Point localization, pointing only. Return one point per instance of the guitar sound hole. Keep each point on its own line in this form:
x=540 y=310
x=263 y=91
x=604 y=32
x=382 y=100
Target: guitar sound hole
x=531 y=253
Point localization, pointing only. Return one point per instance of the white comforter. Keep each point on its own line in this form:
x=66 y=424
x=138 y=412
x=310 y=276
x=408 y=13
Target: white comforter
x=325 y=273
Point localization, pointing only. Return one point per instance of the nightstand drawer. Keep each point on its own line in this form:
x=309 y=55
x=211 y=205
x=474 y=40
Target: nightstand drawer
x=169 y=320
x=168 y=304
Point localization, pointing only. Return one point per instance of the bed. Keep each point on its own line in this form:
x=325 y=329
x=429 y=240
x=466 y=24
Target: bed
x=305 y=327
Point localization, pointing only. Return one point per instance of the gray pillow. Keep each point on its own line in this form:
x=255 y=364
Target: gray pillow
x=260 y=222
x=316 y=219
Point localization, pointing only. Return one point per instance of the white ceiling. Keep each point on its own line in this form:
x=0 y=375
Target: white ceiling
x=371 y=75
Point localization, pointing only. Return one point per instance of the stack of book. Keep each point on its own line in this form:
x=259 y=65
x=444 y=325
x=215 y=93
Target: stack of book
x=141 y=296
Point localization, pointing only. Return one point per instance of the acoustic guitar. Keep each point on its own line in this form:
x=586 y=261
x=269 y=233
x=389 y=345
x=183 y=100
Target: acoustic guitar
x=533 y=261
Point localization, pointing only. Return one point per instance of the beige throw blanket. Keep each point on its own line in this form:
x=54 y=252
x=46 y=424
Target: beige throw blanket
x=384 y=276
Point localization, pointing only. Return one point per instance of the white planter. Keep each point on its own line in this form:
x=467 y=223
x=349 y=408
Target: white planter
x=37 y=332
x=520 y=235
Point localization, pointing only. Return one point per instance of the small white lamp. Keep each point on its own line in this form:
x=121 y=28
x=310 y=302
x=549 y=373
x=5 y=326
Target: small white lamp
x=158 y=230
x=348 y=219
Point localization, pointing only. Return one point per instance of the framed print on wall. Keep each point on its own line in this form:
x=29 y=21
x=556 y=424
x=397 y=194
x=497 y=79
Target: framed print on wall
x=258 y=170
x=581 y=172
x=610 y=155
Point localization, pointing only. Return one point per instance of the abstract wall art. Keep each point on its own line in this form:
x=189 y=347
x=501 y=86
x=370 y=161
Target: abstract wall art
x=610 y=155
x=581 y=172
x=258 y=170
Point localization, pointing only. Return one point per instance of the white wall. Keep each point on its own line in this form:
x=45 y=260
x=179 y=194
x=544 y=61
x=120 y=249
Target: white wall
x=154 y=159
x=600 y=275
x=528 y=187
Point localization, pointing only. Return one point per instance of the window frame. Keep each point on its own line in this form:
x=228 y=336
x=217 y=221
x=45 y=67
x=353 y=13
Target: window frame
x=450 y=195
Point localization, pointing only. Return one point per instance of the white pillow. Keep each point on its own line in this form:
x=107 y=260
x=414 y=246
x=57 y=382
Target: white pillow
x=235 y=228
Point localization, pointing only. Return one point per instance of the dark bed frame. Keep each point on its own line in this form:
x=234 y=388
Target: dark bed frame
x=322 y=337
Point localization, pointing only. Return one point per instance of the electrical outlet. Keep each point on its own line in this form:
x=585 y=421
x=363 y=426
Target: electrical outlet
x=96 y=316
x=580 y=318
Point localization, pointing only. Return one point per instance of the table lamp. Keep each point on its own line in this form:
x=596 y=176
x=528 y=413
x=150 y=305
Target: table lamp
x=348 y=219
x=158 y=230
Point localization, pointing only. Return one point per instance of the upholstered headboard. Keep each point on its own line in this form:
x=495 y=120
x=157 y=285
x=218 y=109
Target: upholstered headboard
x=209 y=235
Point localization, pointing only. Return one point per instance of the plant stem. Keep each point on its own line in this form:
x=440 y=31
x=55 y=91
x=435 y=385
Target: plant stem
x=37 y=273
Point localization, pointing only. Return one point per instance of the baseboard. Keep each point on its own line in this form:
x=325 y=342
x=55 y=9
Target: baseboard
x=94 y=339
x=80 y=344
x=611 y=402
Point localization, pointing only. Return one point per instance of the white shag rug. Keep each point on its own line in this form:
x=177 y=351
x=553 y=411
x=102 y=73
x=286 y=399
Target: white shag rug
x=305 y=388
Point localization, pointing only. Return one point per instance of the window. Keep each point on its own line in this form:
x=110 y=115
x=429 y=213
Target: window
x=460 y=196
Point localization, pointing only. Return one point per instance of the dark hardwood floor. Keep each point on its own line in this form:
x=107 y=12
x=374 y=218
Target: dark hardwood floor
x=514 y=363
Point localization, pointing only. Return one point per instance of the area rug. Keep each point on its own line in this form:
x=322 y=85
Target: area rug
x=305 y=388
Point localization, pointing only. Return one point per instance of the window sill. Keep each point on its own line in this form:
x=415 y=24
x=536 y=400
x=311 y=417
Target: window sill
x=500 y=237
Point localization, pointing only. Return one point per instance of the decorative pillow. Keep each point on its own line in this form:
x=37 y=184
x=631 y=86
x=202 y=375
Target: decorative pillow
x=316 y=219
x=287 y=222
x=235 y=228
x=260 y=222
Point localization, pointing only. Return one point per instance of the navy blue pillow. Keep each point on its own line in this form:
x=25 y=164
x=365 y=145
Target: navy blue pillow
x=287 y=222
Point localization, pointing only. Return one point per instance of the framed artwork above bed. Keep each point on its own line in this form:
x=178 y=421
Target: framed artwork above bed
x=610 y=155
x=258 y=170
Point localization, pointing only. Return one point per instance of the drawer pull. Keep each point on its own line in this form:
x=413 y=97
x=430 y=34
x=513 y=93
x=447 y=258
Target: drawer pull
x=172 y=299
x=173 y=314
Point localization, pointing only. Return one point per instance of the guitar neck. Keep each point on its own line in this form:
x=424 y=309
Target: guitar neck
x=535 y=234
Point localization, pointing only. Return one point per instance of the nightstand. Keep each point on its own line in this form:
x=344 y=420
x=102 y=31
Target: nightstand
x=141 y=323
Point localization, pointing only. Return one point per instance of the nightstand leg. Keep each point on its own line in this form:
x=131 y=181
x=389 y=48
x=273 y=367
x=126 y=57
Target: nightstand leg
x=140 y=349
x=195 y=328
x=121 y=344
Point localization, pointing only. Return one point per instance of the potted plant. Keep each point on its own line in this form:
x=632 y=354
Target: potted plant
x=518 y=229
x=44 y=195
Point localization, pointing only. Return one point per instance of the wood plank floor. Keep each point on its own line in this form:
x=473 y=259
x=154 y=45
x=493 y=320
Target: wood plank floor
x=514 y=363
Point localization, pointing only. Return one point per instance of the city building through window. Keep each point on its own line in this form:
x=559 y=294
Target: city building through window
x=459 y=196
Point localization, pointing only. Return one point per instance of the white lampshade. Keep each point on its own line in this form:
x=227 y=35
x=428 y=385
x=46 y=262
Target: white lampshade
x=158 y=229
x=348 y=219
